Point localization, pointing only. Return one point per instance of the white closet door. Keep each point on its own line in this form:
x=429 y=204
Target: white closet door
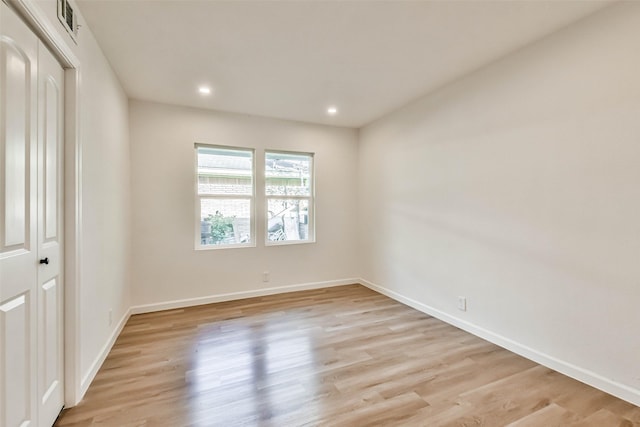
x=18 y=216
x=50 y=185
x=31 y=182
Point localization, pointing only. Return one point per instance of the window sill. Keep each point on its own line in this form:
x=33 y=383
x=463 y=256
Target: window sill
x=287 y=243
x=218 y=247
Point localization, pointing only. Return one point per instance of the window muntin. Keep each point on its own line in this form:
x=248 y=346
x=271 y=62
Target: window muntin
x=289 y=195
x=225 y=197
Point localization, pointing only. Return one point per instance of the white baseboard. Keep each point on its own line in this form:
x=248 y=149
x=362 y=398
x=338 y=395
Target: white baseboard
x=586 y=376
x=87 y=379
x=168 y=305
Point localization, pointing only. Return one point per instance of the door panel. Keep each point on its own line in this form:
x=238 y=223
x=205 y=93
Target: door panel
x=15 y=326
x=49 y=374
x=50 y=145
x=17 y=145
x=18 y=216
x=52 y=128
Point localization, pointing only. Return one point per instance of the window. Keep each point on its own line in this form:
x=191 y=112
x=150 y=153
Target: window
x=225 y=197
x=289 y=197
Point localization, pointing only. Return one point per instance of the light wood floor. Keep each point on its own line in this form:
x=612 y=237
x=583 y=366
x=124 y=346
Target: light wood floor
x=343 y=356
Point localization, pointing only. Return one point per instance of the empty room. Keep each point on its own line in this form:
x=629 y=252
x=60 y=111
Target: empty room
x=319 y=213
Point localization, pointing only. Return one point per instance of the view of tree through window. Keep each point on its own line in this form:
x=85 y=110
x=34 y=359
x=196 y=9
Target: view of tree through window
x=225 y=196
x=289 y=195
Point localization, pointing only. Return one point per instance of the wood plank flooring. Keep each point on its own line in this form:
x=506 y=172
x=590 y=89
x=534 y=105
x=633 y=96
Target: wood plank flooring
x=343 y=356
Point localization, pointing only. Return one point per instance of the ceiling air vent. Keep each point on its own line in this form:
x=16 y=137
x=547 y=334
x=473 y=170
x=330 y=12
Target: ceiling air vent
x=68 y=18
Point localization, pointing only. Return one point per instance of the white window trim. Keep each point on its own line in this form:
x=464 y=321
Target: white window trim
x=311 y=199
x=198 y=197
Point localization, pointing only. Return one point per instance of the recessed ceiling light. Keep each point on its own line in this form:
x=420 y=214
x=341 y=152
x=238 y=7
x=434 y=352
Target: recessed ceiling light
x=332 y=111
x=204 y=90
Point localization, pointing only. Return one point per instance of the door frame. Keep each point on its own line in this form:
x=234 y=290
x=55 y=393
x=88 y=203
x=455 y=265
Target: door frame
x=71 y=271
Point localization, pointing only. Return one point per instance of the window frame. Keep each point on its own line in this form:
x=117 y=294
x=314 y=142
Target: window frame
x=310 y=198
x=199 y=197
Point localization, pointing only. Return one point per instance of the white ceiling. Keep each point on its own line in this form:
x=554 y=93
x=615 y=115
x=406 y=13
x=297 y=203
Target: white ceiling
x=292 y=59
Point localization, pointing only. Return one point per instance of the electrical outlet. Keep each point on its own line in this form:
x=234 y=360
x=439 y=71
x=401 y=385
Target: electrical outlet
x=110 y=317
x=265 y=276
x=462 y=303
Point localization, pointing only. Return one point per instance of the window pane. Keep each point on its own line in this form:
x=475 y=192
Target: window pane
x=288 y=174
x=225 y=171
x=225 y=221
x=288 y=219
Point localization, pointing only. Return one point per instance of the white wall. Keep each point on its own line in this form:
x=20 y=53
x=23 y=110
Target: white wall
x=166 y=267
x=519 y=188
x=105 y=199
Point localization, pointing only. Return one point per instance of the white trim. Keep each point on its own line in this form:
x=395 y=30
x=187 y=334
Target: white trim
x=73 y=237
x=586 y=376
x=45 y=29
x=102 y=355
x=269 y=243
x=229 y=246
x=189 y=302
